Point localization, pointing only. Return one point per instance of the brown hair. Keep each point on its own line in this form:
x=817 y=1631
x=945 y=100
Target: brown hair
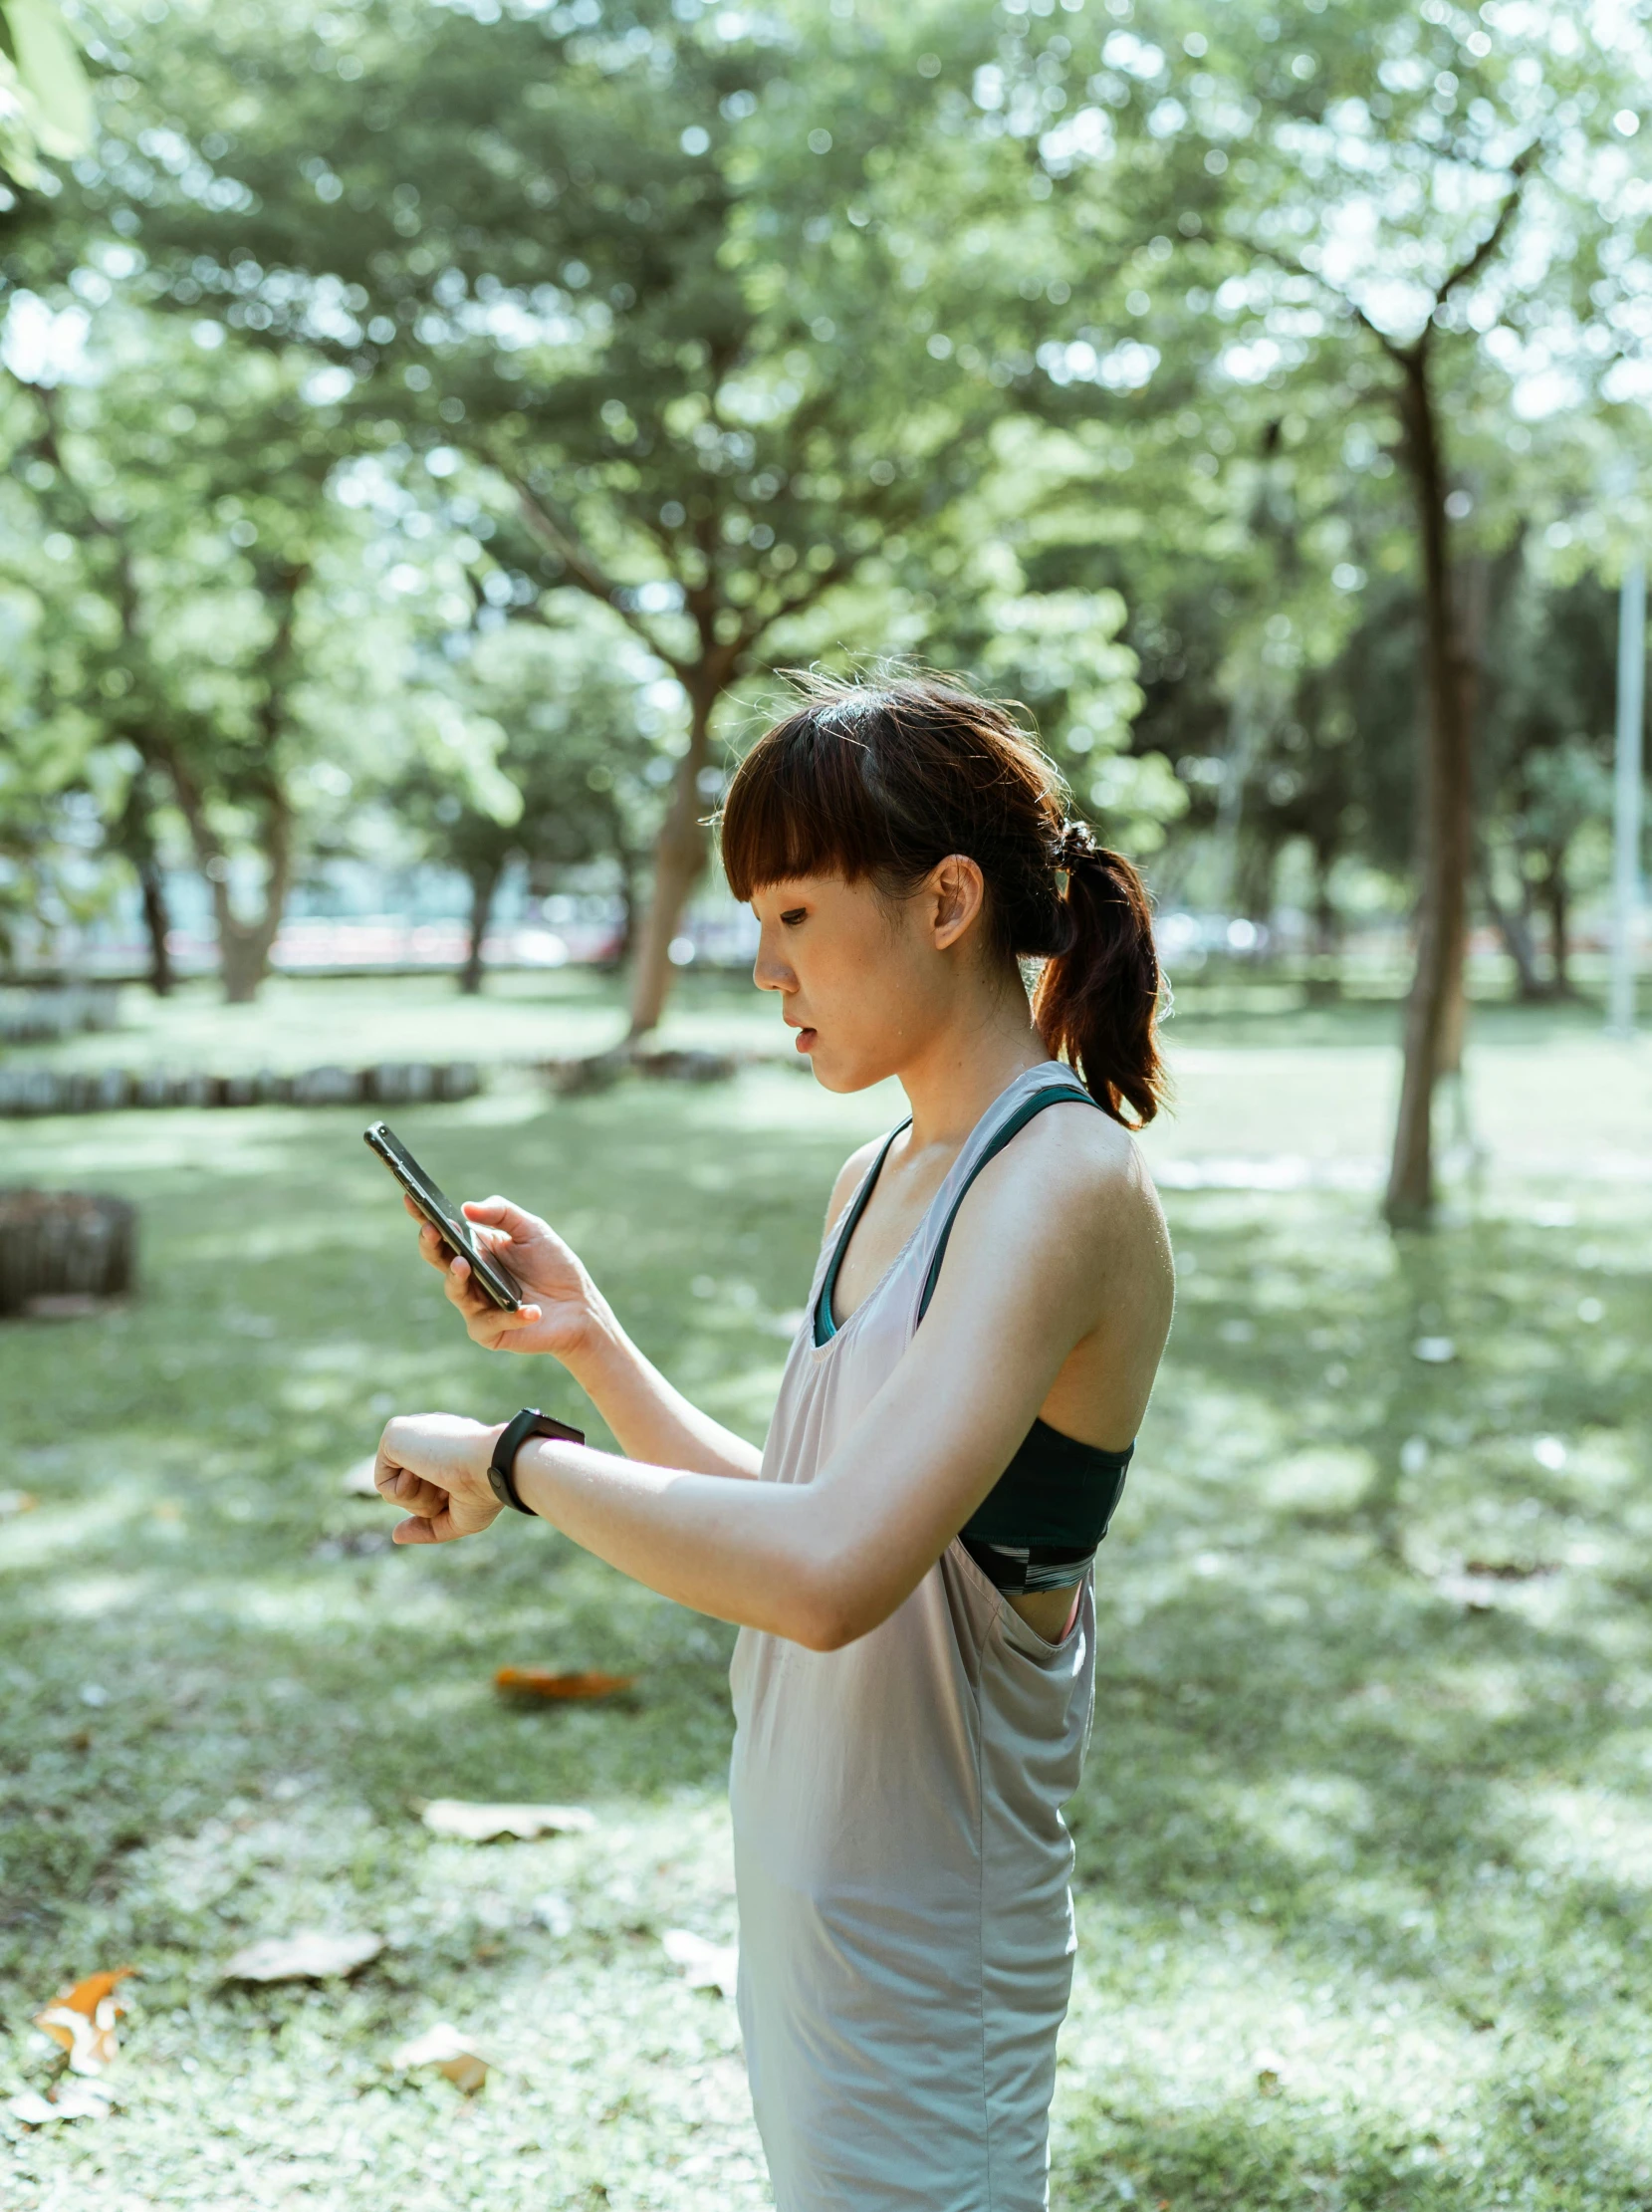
x=885 y=779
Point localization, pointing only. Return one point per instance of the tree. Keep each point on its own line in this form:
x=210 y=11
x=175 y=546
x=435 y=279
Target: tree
x=195 y=601
x=1441 y=218
x=650 y=273
x=1399 y=240
x=580 y=730
x=1548 y=702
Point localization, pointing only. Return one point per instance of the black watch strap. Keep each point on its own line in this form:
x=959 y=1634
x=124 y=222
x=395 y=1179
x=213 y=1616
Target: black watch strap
x=529 y=1422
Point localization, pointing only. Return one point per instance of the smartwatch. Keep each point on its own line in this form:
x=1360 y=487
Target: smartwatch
x=529 y=1422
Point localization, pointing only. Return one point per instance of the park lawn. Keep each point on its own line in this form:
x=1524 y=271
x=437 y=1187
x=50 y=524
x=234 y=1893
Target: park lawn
x=1366 y=1834
x=521 y=1015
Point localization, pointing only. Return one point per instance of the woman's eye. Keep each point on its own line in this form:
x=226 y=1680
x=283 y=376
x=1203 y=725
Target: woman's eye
x=793 y=915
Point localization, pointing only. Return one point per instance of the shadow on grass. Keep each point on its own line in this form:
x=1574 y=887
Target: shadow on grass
x=1320 y=1734
x=1268 y=2152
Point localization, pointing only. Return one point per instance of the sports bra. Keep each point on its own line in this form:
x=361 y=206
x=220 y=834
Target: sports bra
x=1040 y=1525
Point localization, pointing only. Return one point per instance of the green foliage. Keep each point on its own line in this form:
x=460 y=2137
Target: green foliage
x=949 y=334
x=582 y=750
x=45 y=105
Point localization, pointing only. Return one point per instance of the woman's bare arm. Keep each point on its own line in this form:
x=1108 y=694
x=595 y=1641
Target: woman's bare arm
x=565 y=1315
x=649 y=1415
x=824 y=1561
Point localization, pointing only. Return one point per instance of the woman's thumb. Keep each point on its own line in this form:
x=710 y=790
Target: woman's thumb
x=497 y=1213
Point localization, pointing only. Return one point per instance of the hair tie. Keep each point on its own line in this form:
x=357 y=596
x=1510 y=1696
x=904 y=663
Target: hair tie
x=1075 y=846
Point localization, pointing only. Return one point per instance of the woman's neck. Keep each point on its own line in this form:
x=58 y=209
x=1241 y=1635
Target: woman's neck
x=951 y=1082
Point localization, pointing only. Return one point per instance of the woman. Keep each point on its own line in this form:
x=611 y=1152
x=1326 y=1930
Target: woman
x=908 y=1558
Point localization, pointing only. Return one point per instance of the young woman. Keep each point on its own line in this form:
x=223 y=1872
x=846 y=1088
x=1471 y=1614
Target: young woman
x=909 y=1558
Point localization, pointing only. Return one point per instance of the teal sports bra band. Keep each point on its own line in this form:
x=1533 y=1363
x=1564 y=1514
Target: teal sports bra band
x=1040 y=1525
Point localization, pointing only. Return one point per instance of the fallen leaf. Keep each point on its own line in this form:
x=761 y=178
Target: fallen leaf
x=73 y=2101
x=539 y=1682
x=305 y=1957
x=450 y=2053
x=705 y=1965
x=358 y=1482
x=83 y=2020
x=16 y=1501
x=481 y=1824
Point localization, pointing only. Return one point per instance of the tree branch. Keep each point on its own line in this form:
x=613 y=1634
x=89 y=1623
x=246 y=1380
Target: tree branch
x=1467 y=270
x=1402 y=354
x=559 y=539
x=1407 y=356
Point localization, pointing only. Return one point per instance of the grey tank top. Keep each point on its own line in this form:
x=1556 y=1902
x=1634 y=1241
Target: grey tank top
x=903 y=1866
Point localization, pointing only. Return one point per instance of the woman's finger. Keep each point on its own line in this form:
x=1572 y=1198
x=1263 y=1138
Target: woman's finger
x=433 y=1247
x=511 y=1318
x=401 y=1486
x=498 y=1213
x=414 y=1532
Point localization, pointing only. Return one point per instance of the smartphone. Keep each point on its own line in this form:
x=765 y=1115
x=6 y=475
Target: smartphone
x=495 y=1280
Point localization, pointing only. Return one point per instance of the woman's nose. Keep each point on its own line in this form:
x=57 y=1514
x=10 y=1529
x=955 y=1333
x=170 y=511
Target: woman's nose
x=770 y=973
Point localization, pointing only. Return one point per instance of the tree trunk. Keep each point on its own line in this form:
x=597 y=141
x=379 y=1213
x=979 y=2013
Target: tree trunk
x=679 y=860
x=1327 y=922
x=242 y=952
x=484 y=885
x=1325 y=981
x=1434 y=1010
x=151 y=886
x=1514 y=927
x=630 y=903
x=243 y=946
x=1557 y=898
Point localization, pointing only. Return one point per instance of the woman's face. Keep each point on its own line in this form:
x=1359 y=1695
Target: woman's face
x=868 y=982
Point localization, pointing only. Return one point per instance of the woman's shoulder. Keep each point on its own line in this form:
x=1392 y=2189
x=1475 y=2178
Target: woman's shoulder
x=1077 y=1157
x=850 y=1177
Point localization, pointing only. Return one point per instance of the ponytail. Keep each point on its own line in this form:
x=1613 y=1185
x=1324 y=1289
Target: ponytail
x=1096 y=1000
x=885 y=779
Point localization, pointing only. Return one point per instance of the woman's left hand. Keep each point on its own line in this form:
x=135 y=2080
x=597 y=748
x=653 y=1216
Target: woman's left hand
x=434 y=1466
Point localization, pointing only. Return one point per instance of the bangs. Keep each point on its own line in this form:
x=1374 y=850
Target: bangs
x=805 y=800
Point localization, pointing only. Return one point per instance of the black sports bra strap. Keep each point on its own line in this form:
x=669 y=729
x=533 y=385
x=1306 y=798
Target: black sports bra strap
x=1052 y=1094
x=826 y=1328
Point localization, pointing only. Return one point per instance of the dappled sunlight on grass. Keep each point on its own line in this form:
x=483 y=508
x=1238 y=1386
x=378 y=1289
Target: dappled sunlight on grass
x=1365 y=1836
x=1332 y=1741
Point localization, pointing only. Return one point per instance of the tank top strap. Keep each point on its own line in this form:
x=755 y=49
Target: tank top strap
x=824 y=1287
x=989 y=1142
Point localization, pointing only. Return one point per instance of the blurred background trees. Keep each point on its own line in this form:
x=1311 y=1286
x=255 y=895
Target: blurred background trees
x=425 y=428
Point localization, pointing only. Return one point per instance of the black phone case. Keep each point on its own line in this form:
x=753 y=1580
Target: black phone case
x=494 y=1278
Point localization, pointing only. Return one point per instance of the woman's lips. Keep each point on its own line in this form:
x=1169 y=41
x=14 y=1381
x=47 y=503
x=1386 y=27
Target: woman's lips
x=806 y=1038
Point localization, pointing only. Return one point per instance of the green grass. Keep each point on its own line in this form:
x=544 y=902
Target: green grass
x=306 y=1022
x=1365 y=1838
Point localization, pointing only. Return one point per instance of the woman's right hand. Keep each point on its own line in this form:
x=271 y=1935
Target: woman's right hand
x=560 y=1303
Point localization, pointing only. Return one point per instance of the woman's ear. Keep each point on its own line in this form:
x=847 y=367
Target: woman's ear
x=957 y=891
